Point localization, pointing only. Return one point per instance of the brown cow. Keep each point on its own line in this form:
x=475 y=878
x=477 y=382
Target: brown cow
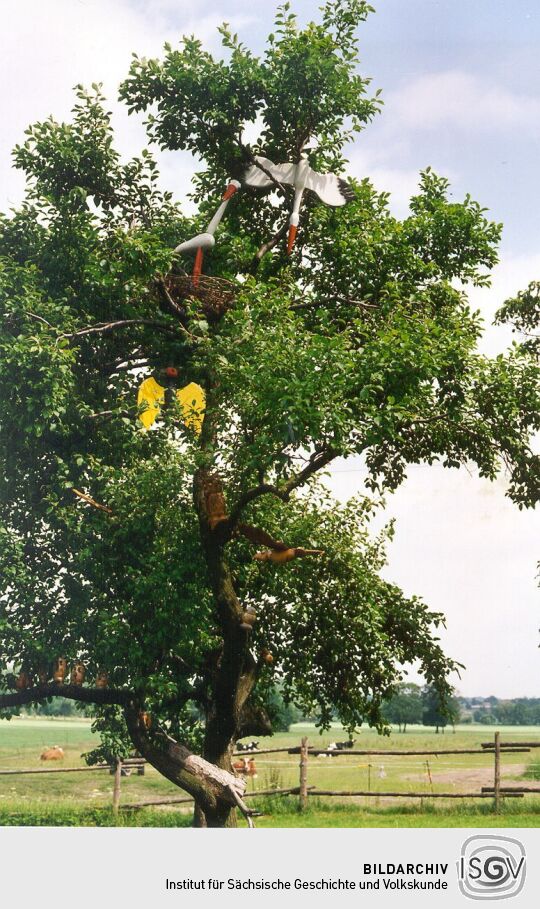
x=246 y=766
x=52 y=754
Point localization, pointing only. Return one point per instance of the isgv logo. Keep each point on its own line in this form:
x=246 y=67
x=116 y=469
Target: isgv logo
x=491 y=867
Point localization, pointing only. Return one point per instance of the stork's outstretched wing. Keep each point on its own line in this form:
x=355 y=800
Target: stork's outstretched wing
x=330 y=189
x=256 y=177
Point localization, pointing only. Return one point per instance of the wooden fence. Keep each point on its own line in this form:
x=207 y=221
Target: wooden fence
x=304 y=791
x=494 y=749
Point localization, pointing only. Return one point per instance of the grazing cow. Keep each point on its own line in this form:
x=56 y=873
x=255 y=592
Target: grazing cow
x=52 y=754
x=338 y=746
x=248 y=746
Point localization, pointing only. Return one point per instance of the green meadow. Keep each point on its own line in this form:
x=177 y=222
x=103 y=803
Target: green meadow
x=84 y=798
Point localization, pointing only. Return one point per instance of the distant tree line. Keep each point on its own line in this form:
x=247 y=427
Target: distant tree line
x=415 y=705
x=506 y=712
x=411 y=705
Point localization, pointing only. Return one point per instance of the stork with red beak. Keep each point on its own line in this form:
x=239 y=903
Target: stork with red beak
x=329 y=188
x=207 y=240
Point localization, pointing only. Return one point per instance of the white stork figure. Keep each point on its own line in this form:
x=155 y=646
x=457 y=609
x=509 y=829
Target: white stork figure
x=329 y=188
x=207 y=240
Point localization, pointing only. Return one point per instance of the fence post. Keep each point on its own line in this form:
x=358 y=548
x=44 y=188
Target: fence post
x=428 y=768
x=303 y=774
x=497 y=775
x=116 y=786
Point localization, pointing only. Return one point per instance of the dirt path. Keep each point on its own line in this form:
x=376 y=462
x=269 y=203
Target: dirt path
x=469 y=779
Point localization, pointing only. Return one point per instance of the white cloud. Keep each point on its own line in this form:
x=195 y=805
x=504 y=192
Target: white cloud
x=511 y=275
x=462 y=101
x=401 y=183
x=471 y=554
x=48 y=47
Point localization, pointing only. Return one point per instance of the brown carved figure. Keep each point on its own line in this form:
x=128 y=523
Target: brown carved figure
x=214 y=501
x=248 y=618
x=22 y=681
x=277 y=552
x=78 y=673
x=102 y=679
x=60 y=669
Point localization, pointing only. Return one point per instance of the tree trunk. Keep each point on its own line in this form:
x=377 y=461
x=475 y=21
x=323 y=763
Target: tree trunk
x=233 y=674
x=214 y=788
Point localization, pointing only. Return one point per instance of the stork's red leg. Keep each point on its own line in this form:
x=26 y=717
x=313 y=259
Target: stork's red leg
x=291 y=238
x=197 y=265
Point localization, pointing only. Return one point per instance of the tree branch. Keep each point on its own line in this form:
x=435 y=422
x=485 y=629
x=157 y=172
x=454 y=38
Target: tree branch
x=39 y=319
x=266 y=247
x=91 y=501
x=105 y=327
x=277 y=183
x=317 y=461
x=99 y=696
x=175 y=308
x=207 y=783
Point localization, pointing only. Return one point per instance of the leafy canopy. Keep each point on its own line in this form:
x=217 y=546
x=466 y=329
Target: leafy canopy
x=360 y=343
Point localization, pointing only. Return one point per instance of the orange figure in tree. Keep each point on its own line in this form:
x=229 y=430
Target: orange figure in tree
x=216 y=509
x=277 y=552
x=280 y=556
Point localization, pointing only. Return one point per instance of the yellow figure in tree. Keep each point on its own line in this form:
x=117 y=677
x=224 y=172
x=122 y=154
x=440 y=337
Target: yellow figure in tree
x=191 y=399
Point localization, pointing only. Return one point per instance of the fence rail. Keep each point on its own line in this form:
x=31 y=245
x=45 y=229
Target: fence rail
x=344 y=752
x=490 y=745
x=127 y=764
x=411 y=795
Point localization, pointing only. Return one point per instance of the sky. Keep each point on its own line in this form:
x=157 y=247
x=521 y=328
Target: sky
x=461 y=89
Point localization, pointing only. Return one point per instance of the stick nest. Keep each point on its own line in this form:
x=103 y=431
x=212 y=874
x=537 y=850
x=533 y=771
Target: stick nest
x=216 y=295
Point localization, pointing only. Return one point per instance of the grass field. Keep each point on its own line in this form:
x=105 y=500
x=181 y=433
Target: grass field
x=84 y=798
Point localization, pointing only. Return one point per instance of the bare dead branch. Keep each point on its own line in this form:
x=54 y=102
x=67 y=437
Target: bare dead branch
x=105 y=327
x=91 y=501
x=109 y=414
x=43 y=321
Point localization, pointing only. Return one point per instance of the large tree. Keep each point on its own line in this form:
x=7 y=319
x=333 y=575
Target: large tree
x=132 y=550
